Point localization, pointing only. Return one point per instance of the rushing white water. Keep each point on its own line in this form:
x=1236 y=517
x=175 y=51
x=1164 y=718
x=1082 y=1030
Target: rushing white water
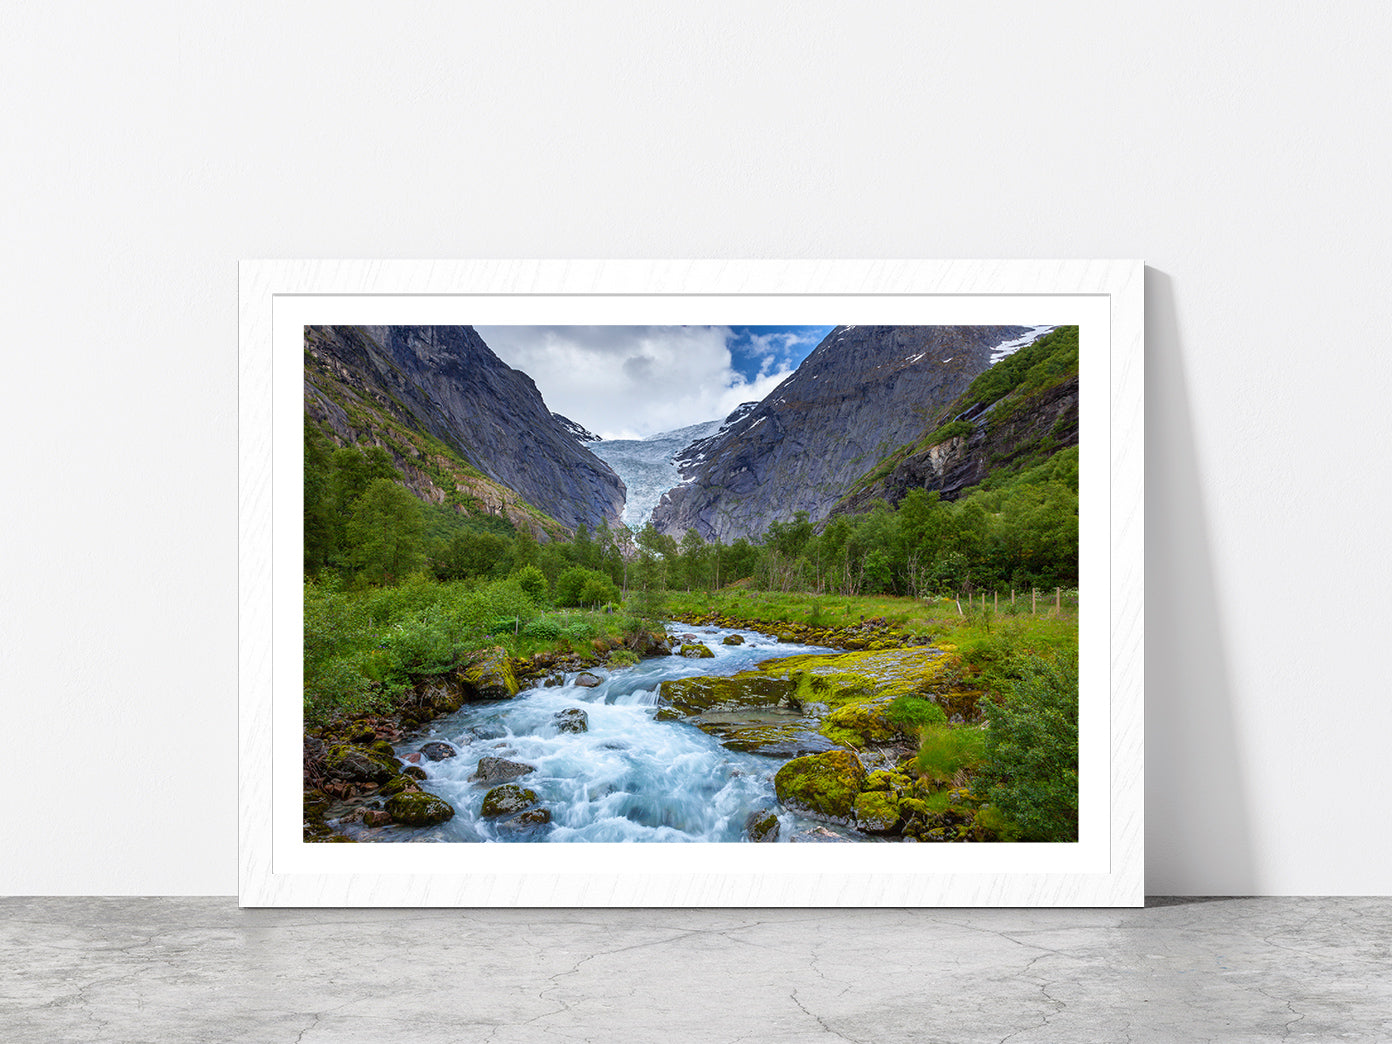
x=629 y=777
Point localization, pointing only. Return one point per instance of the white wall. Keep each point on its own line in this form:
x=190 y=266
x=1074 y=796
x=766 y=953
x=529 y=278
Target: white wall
x=1242 y=152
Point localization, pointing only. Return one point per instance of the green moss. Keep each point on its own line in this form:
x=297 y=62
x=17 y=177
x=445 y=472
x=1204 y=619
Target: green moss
x=824 y=785
x=857 y=725
x=507 y=800
x=490 y=675
x=695 y=651
x=418 y=809
x=876 y=812
x=742 y=691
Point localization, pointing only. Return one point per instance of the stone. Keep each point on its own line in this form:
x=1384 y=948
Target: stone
x=419 y=809
x=437 y=750
x=876 y=812
x=414 y=771
x=507 y=800
x=376 y=817
x=732 y=639
x=696 y=651
x=572 y=719
x=586 y=680
x=761 y=825
x=822 y=785
x=530 y=818
x=500 y=770
x=490 y=676
x=358 y=764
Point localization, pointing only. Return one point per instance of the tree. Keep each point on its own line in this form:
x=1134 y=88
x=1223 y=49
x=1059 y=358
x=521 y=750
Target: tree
x=385 y=532
x=318 y=504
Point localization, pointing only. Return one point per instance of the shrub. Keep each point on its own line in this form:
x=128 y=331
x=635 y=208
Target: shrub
x=543 y=628
x=579 y=586
x=533 y=583
x=1030 y=769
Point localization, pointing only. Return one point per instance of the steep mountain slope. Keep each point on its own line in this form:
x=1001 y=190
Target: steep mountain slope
x=649 y=467
x=861 y=394
x=1014 y=416
x=455 y=416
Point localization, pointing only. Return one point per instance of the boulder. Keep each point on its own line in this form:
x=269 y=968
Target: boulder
x=376 y=817
x=572 y=719
x=822 y=785
x=586 y=680
x=761 y=825
x=530 y=818
x=742 y=691
x=490 y=676
x=695 y=651
x=500 y=770
x=732 y=639
x=399 y=785
x=487 y=731
x=414 y=771
x=436 y=750
x=358 y=764
x=507 y=800
x=417 y=808
x=876 y=812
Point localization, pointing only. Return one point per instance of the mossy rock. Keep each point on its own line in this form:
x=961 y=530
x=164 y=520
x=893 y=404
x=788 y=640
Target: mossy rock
x=572 y=719
x=876 y=812
x=732 y=639
x=438 y=750
x=761 y=825
x=695 y=651
x=418 y=809
x=824 y=785
x=358 y=764
x=414 y=771
x=399 y=785
x=507 y=800
x=880 y=780
x=668 y=714
x=361 y=733
x=490 y=676
x=858 y=725
x=741 y=692
x=531 y=818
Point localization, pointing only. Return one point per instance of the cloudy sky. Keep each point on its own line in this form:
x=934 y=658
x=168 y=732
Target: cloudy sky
x=635 y=381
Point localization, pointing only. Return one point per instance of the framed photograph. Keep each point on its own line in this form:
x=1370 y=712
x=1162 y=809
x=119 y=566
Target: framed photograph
x=691 y=583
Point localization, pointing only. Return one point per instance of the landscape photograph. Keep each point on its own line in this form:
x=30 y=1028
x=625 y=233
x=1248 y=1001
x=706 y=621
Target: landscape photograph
x=746 y=584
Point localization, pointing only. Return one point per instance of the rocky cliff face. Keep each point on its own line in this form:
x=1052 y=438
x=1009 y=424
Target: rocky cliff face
x=1036 y=428
x=862 y=393
x=444 y=382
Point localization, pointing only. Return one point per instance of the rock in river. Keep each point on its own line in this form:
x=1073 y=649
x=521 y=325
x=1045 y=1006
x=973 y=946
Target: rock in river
x=416 y=808
x=572 y=719
x=437 y=751
x=500 y=770
x=507 y=800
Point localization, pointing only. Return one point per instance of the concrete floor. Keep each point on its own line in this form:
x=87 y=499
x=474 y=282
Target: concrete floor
x=175 y=970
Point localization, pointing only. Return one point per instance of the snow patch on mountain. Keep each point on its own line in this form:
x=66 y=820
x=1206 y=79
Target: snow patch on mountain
x=1010 y=347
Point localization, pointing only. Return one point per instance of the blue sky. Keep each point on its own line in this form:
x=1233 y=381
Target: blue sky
x=635 y=381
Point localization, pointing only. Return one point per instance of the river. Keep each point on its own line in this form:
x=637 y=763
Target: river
x=629 y=777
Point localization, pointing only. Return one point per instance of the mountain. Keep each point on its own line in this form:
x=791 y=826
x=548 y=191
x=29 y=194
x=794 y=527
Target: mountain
x=465 y=427
x=578 y=432
x=861 y=394
x=649 y=467
x=1015 y=415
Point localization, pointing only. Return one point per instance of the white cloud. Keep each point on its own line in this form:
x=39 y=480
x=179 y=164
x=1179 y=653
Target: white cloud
x=630 y=381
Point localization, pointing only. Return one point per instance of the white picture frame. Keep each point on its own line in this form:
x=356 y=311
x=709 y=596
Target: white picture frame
x=1104 y=868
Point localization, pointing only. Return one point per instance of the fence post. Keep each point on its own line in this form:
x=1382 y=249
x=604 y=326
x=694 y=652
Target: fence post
x=1034 y=596
x=1058 y=605
x=995 y=601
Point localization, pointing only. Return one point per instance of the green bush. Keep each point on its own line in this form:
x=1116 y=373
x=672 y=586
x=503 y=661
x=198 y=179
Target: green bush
x=1030 y=769
x=543 y=628
x=533 y=583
